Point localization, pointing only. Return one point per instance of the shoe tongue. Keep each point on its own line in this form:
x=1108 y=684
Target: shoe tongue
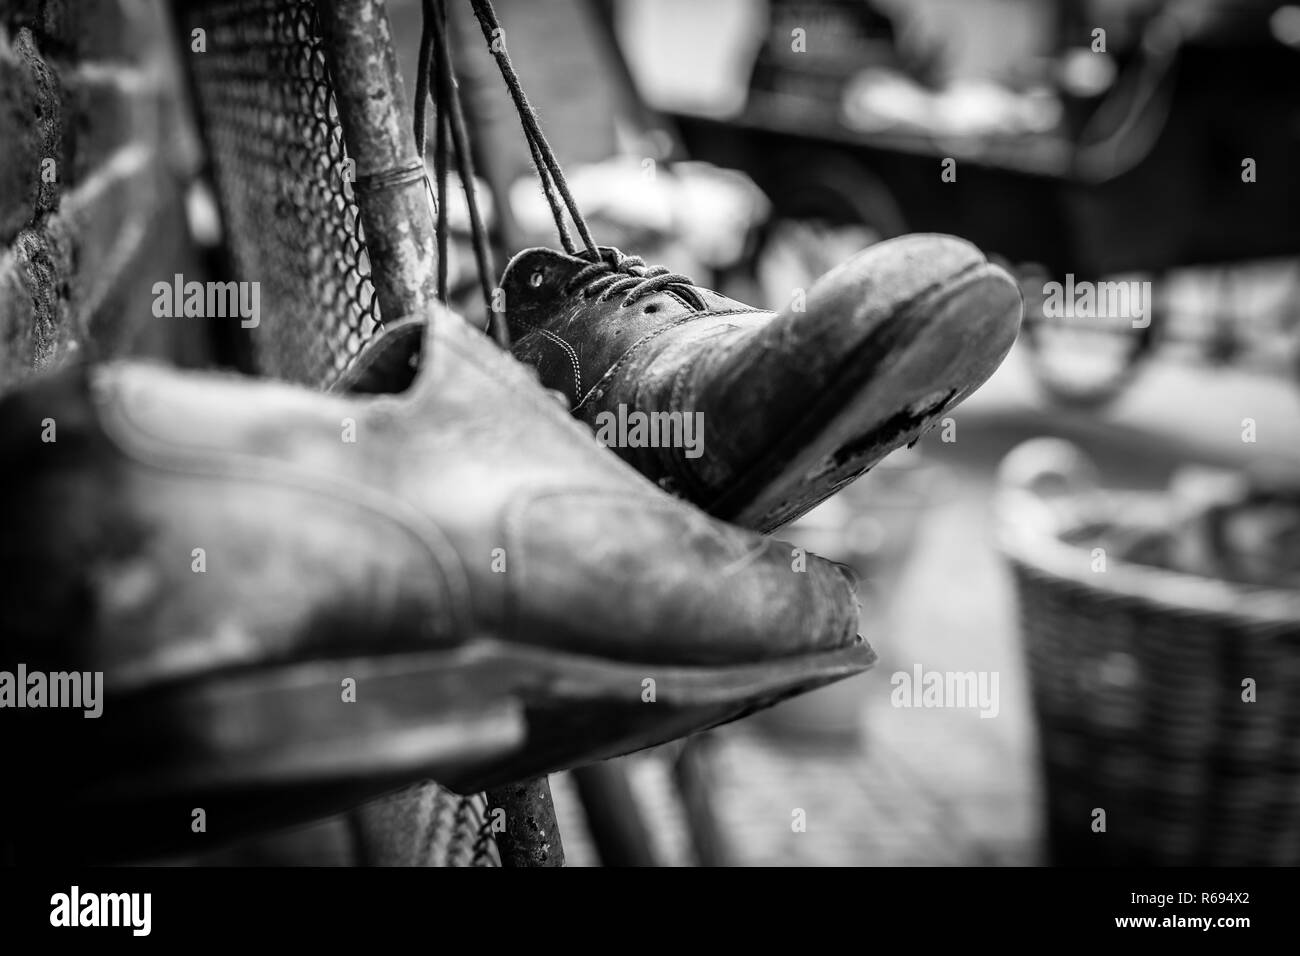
x=526 y=305
x=517 y=268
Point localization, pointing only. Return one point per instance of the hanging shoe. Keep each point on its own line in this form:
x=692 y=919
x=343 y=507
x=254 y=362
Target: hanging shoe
x=792 y=405
x=300 y=600
x=787 y=407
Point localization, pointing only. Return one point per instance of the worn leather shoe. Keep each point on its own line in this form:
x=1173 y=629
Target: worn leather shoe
x=757 y=416
x=295 y=595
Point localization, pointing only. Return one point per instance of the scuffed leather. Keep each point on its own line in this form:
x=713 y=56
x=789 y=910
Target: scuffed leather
x=315 y=546
x=755 y=375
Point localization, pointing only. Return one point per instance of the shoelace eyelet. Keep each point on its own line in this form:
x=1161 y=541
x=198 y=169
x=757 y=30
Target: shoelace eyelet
x=536 y=279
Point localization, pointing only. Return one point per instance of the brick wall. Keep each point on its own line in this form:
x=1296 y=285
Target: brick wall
x=96 y=152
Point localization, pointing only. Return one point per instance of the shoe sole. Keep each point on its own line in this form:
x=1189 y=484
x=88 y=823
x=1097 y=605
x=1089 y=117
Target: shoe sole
x=900 y=400
x=265 y=749
x=567 y=696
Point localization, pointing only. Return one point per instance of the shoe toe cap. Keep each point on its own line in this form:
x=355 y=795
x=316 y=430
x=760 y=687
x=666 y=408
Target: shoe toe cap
x=910 y=274
x=643 y=579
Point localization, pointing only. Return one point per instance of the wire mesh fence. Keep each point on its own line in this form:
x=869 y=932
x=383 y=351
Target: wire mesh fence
x=284 y=179
x=281 y=168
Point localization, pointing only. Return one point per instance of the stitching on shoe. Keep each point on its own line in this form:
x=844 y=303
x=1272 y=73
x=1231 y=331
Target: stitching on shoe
x=573 y=358
x=746 y=311
x=694 y=317
x=507 y=372
x=622 y=359
x=573 y=355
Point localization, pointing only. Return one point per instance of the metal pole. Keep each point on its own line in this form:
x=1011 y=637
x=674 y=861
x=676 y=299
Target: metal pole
x=390 y=184
x=614 y=817
x=693 y=773
x=393 y=199
x=532 y=837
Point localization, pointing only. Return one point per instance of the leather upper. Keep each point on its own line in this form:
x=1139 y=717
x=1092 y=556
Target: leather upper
x=757 y=376
x=357 y=524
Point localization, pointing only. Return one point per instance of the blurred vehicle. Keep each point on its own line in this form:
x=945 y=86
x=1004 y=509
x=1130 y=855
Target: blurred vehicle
x=1168 y=148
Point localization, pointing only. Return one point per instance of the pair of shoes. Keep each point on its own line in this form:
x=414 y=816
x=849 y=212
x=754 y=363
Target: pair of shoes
x=298 y=601
x=797 y=406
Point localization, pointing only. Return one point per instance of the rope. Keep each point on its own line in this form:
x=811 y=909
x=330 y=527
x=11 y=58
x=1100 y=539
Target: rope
x=440 y=146
x=609 y=272
x=465 y=168
x=543 y=155
x=437 y=71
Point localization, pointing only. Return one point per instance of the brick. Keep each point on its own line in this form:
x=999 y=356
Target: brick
x=94 y=85
x=109 y=107
x=18 y=158
x=16 y=326
x=103 y=217
x=127 y=229
x=86 y=273
x=33 y=326
x=42 y=293
x=115 y=304
x=31 y=119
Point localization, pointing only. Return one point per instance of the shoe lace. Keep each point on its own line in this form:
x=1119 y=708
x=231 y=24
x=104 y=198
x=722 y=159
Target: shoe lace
x=612 y=272
x=608 y=271
x=436 y=70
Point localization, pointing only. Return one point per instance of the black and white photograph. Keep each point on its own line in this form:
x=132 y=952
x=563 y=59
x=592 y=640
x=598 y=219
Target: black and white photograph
x=649 y=434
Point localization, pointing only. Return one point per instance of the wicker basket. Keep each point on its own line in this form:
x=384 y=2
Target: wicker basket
x=1138 y=686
